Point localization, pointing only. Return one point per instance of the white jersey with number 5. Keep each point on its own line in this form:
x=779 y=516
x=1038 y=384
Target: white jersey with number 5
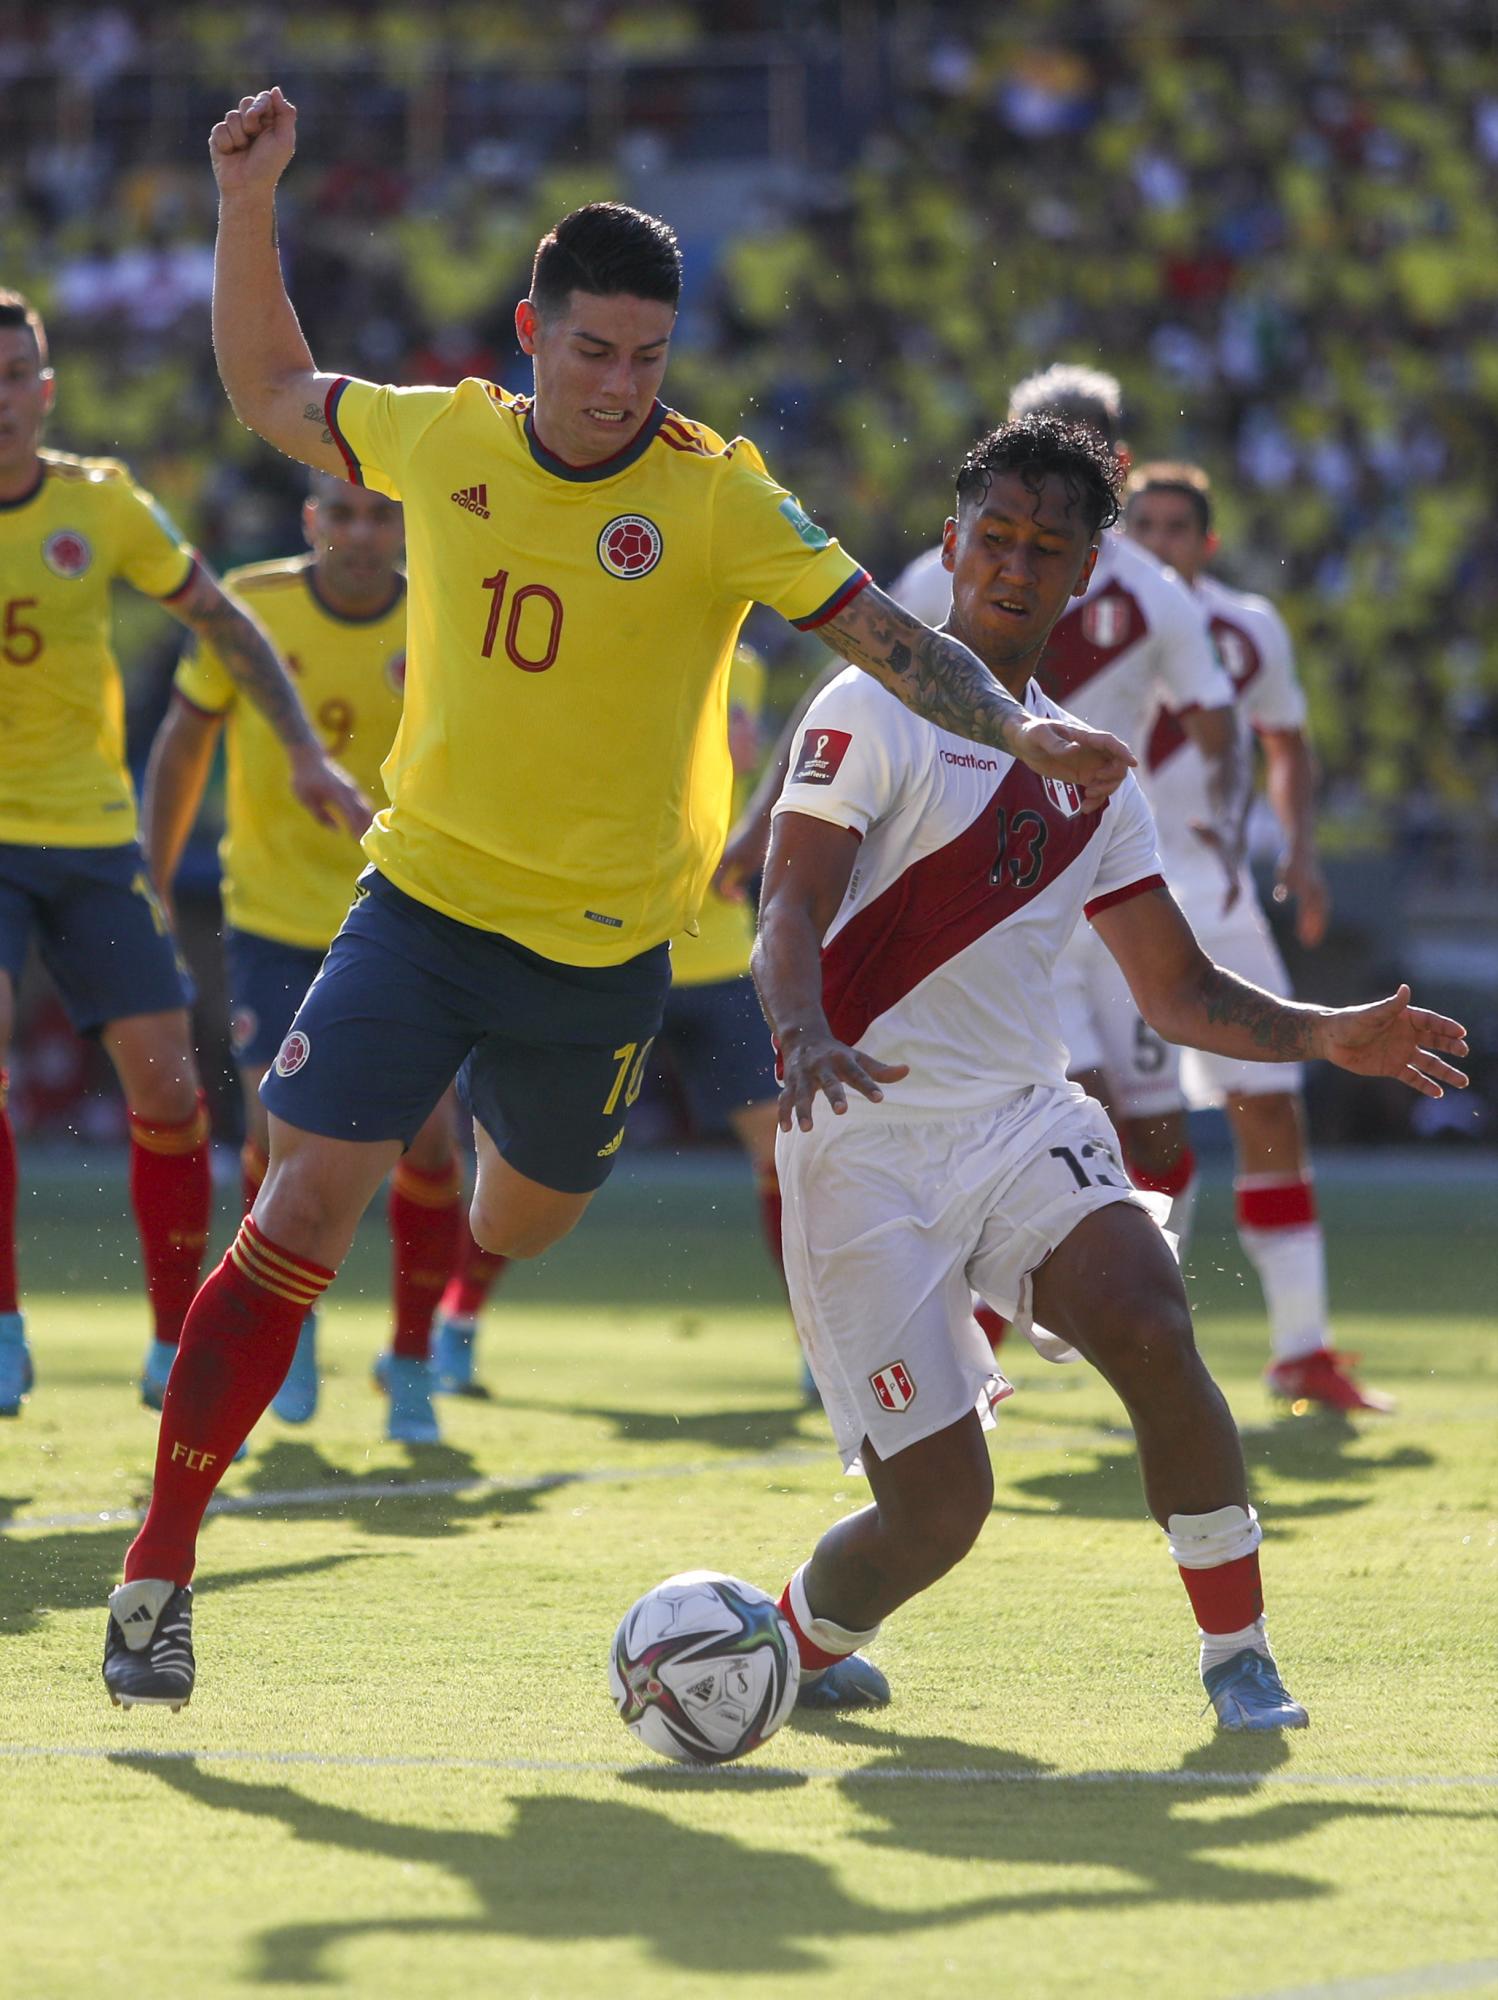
x=971 y=876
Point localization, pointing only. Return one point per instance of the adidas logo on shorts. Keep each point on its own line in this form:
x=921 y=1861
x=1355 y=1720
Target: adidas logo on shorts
x=475 y=499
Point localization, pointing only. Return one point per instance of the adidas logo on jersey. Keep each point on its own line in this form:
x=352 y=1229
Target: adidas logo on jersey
x=475 y=499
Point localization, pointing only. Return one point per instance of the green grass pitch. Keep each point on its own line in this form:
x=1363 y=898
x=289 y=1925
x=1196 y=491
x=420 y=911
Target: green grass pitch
x=402 y=1775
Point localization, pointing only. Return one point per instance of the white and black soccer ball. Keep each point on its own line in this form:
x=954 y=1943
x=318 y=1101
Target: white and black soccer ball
x=704 y=1667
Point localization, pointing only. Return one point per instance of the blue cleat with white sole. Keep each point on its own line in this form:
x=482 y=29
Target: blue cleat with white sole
x=295 y=1402
x=851 y=1683
x=16 y=1372
x=452 y=1357
x=158 y=1365
x=1247 y=1693
x=408 y=1384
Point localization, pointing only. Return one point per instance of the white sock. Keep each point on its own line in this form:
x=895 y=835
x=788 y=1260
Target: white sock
x=1182 y=1214
x=1220 y=1646
x=1291 y=1263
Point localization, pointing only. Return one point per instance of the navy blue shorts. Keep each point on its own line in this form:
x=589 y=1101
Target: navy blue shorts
x=101 y=932
x=268 y=981
x=548 y=1057
x=720 y=1047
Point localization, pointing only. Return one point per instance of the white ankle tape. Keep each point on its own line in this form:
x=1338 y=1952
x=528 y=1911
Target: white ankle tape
x=821 y=1631
x=1206 y=1541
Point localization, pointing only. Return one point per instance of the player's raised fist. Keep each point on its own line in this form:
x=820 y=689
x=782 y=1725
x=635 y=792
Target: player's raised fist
x=250 y=146
x=1092 y=760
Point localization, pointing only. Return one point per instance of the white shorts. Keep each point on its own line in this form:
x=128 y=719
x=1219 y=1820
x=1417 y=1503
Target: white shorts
x=1106 y=1033
x=891 y=1225
x=1239 y=942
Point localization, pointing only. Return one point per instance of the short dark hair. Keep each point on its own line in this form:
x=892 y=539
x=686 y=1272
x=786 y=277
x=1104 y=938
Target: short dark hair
x=1079 y=395
x=1039 y=448
x=1175 y=476
x=18 y=311
x=606 y=248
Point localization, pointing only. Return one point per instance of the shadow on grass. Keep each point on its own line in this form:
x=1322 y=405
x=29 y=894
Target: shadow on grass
x=729 y=1430
x=357 y=1499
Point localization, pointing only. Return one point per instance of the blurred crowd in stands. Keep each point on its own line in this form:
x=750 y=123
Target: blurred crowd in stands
x=1278 y=226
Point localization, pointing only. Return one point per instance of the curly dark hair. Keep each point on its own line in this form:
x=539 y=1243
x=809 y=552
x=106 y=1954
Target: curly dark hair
x=1038 y=448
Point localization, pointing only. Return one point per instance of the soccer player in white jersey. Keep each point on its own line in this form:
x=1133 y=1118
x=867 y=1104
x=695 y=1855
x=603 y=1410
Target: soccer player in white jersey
x=1134 y=640
x=919 y=893
x=1168 y=510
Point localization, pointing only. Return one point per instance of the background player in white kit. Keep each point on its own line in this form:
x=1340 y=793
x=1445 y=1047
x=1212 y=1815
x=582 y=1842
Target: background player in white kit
x=918 y=893
x=1168 y=510
x=1135 y=640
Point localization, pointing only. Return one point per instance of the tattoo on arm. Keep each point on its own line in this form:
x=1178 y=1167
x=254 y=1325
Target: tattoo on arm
x=315 y=414
x=934 y=674
x=1283 y=1031
x=251 y=662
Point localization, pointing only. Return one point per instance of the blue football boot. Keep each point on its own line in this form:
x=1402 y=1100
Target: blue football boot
x=452 y=1357
x=1247 y=1693
x=16 y=1372
x=408 y=1384
x=158 y=1365
x=295 y=1402
x=851 y=1683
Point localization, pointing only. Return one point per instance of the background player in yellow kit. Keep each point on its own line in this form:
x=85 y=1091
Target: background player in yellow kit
x=338 y=616
x=580 y=565
x=71 y=870
x=714 y=1035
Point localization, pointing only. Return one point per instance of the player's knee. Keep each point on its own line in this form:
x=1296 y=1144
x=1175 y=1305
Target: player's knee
x=1145 y=1343
x=519 y=1236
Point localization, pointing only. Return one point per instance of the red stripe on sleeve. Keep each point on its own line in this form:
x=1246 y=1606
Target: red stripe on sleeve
x=1100 y=903
x=185 y=585
x=842 y=596
x=330 y=413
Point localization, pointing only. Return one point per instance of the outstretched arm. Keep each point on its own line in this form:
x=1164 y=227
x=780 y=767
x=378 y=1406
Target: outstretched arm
x=1186 y=998
x=806 y=878
x=252 y=663
x=264 y=362
x=937 y=677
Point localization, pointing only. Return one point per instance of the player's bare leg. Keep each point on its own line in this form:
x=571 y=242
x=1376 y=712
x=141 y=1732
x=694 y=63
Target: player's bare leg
x=512 y=1215
x=16 y=1372
x=755 y=1126
x=426 y=1217
x=171 y=1181
x=1281 y=1236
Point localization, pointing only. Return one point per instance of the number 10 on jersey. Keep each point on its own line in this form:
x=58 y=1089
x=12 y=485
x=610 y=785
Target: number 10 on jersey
x=545 y=618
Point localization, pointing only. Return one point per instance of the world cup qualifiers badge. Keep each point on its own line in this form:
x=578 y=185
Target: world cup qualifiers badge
x=822 y=751
x=67 y=553
x=630 y=546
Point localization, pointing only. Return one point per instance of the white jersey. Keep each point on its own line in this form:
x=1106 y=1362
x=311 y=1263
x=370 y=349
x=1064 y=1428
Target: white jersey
x=971 y=876
x=1255 y=649
x=1136 y=641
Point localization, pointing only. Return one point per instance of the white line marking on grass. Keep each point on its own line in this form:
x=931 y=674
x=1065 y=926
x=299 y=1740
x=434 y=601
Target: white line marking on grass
x=689 y=1774
x=1395 y=1985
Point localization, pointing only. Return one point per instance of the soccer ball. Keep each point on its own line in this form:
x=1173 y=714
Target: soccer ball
x=704 y=1668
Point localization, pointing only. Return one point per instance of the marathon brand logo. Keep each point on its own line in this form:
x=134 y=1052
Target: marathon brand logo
x=969 y=760
x=474 y=498
x=822 y=753
x=67 y=554
x=894 y=1387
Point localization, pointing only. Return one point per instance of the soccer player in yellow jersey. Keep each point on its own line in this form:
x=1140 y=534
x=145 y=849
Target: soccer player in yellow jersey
x=580 y=564
x=714 y=1034
x=71 y=870
x=338 y=616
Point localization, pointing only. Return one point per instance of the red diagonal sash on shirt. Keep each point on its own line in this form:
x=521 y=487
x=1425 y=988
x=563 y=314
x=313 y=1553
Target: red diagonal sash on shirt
x=941 y=905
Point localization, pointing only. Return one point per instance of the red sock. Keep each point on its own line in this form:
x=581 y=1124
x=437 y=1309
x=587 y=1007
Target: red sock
x=7 y=1202
x=474 y=1274
x=1227 y=1598
x=171 y=1191
x=1274 y=1204
x=253 y=1166
x=994 y=1325
x=237 y=1345
x=813 y=1656
x=1172 y=1180
x=767 y=1186
x=426 y=1212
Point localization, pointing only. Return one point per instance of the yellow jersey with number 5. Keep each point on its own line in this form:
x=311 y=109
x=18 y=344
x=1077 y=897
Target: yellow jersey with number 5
x=284 y=876
x=63 y=779
x=561 y=772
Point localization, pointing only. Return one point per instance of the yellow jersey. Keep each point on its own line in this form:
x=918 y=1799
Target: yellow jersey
x=725 y=930
x=561 y=772
x=284 y=876
x=63 y=779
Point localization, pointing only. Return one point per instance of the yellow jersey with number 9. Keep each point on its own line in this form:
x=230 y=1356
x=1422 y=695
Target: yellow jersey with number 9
x=63 y=780
x=561 y=772
x=284 y=876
